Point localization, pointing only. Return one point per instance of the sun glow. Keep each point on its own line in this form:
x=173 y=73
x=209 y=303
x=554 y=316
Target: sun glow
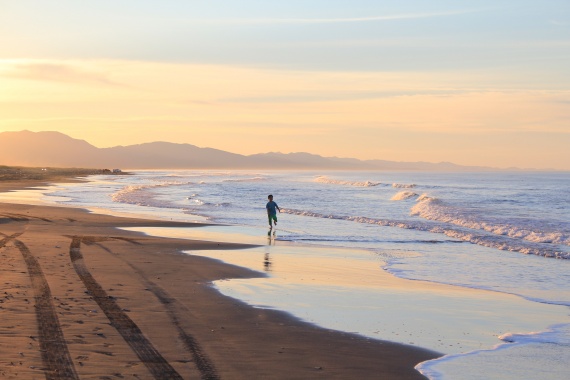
x=249 y=110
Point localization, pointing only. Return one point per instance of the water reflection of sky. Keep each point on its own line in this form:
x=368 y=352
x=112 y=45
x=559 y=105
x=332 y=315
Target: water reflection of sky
x=346 y=289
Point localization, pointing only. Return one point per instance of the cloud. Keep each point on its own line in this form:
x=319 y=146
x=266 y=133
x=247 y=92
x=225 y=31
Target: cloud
x=342 y=96
x=57 y=73
x=403 y=16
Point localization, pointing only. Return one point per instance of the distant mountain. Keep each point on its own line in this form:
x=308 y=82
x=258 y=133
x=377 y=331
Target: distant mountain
x=54 y=149
x=307 y=161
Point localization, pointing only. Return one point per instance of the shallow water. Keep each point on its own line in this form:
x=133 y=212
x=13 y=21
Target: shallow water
x=345 y=289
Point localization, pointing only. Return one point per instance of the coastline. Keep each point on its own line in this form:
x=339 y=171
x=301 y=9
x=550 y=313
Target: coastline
x=168 y=296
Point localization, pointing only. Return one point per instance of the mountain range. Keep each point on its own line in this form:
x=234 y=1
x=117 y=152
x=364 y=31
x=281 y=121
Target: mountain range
x=54 y=149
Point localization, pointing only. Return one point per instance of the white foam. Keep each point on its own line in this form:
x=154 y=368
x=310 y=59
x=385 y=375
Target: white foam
x=475 y=237
x=403 y=195
x=404 y=185
x=546 y=353
x=559 y=334
x=424 y=197
x=253 y=179
x=139 y=194
x=325 y=179
x=434 y=209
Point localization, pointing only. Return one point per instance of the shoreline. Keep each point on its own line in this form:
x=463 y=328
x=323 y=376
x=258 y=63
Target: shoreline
x=167 y=295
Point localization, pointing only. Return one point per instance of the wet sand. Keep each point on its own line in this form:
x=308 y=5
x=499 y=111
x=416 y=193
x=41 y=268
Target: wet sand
x=82 y=299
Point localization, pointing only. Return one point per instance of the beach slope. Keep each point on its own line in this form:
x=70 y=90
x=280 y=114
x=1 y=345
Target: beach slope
x=83 y=299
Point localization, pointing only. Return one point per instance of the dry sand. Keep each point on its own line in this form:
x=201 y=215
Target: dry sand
x=82 y=299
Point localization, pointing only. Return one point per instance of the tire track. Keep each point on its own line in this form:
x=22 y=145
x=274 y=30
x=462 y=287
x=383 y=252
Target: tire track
x=203 y=363
x=128 y=329
x=53 y=348
x=7 y=238
x=16 y=218
x=25 y=218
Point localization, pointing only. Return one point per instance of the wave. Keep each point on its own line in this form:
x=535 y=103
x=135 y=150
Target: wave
x=167 y=178
x=344 y=239
x=557 y=336
x=199 y=202
x=403 y=195
x=403 y=185
x=140 y=195
x=434 y=209
x=424 y=197
x=482 y=238
x=254 y=179
x=325 y=179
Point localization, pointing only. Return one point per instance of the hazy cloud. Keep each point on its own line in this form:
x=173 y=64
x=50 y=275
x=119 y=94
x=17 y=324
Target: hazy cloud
x=341 y=96
x=57 y=73
x=403 y=16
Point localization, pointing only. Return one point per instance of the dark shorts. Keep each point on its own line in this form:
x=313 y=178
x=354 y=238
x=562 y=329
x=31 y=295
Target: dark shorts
x=272 y=217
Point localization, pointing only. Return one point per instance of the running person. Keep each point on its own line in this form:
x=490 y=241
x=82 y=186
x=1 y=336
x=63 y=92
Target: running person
x=272 y=211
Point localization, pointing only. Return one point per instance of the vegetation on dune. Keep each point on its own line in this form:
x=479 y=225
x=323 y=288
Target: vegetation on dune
x=16 y=173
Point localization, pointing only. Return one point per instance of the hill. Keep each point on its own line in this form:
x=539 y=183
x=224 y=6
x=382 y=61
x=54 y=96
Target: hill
x=54 y=149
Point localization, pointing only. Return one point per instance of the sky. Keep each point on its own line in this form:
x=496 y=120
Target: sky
x=471 y=82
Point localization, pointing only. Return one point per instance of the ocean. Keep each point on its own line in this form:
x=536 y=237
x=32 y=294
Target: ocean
x=472 y=265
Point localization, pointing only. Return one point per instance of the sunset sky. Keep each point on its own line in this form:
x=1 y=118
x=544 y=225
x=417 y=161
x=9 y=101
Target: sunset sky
x=471 y=82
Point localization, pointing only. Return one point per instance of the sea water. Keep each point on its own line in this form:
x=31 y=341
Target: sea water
x=504 y=232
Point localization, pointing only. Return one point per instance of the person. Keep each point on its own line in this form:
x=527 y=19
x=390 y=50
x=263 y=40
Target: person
x=272 y=211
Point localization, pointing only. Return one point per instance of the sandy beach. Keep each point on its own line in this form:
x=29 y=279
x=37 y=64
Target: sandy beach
x=83 y=299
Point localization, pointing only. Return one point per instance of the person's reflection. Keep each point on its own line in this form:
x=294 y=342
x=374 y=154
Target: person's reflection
x=267 y=262
x=266 y=258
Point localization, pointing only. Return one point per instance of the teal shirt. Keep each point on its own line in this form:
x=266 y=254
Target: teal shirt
x=271 y=208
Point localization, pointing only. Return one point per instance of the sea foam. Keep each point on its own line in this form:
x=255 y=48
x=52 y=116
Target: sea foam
x=325 y=179
x=404 y=185
x=403 y=195
x=434 y=209
x=141 y=195
x=473 y=236
x=546 y=351
x=253 y=179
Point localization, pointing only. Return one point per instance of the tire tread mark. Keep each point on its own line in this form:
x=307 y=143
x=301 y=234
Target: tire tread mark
x=54 y=350
x=203 y=363
x=16 y=218
x=25 y=218
x=131 y=333
x=7 y=238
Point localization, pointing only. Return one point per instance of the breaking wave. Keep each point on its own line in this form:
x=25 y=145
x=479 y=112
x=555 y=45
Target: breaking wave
x=403 y=195
x=254 y=179
x=436 y=210
x=325 y=179
x=424 y=197
x=141 y=195
x=403 y=185
x=504 y=243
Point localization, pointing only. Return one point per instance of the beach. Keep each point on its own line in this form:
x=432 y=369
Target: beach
x=84 y=299
x=268 y=190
